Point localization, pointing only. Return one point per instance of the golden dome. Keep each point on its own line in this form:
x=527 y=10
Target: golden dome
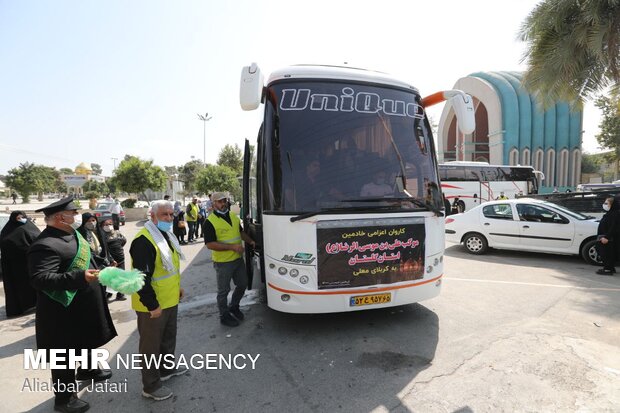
x=83 y=169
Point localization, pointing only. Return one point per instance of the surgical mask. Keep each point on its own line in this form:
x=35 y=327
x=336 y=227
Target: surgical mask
x=222 y=212
x=164 y=226
x=606 y=207
x=90 y=226
x=77 y=221
x=23 y=220
x=108 y=228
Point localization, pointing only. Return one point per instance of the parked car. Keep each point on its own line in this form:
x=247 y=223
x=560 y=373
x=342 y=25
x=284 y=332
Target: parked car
x=4 y=218
x=524 y=224
x=102 y=211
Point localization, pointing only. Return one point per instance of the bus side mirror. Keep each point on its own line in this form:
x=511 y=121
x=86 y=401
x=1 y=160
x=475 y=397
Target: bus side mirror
x=463 y=106
x=251 y=87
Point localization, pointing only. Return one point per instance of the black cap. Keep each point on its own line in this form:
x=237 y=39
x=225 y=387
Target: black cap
x=65 y=204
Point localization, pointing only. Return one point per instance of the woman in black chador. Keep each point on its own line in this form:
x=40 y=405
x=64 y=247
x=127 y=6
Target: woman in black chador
x=608 y=235
x=15 y=239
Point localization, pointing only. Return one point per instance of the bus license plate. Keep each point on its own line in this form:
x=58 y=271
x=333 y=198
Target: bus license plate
x=370 y=299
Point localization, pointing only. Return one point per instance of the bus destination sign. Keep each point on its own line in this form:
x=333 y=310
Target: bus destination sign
x=356 y=253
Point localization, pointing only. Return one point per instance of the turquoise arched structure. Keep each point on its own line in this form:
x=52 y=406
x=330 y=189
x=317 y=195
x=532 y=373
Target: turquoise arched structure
x=527 y=125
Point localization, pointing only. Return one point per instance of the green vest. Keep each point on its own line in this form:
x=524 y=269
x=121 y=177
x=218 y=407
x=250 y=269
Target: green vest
x=194 y=209
x=226 y=234
x=166 y=284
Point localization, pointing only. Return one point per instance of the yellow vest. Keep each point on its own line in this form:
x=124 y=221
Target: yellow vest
x=166 y=284
x=226 y=234
x=194 y=208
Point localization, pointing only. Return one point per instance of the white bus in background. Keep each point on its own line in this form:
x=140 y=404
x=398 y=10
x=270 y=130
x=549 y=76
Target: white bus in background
x=343 y=196
x=474 y=183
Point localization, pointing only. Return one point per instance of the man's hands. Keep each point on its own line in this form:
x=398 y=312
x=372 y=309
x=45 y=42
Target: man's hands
x=181 y=293
x=156 y=313
x=603 y=240
x=237 y=248
x=91 y=275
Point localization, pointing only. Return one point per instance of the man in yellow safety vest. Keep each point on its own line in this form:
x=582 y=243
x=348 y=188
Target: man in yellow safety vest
x=156 y=252
x=223 y=235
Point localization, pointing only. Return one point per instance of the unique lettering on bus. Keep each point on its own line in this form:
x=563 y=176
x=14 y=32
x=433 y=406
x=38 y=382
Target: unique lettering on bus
x=348 y=101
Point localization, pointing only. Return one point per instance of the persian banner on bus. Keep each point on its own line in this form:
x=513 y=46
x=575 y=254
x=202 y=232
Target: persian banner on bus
x=357 y=253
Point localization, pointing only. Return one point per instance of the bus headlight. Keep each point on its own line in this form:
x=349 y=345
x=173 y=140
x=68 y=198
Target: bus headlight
x=436 y=262
x=294 y=273
x=285 y=297
x=304 y=279
x=441 y=259
x=272 y=266
x=429 y=268
x=282 y=270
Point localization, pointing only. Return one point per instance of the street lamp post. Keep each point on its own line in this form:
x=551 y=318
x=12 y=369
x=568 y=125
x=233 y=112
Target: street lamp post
x=204 y=120
x=114 y=159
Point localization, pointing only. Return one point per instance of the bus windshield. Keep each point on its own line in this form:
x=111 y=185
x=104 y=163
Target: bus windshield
x=329 y=144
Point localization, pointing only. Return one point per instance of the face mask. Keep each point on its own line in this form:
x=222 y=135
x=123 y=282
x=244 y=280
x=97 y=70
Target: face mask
x=77 y=221
x=90 y=226
x=108 y=228
x=222 y=212
x=23 y=220
x=606 y=207
x=164 y=226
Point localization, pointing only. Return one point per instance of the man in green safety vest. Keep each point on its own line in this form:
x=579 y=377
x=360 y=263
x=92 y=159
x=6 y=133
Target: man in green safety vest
x=191 y=217
x=223 y=236
x=156 y=252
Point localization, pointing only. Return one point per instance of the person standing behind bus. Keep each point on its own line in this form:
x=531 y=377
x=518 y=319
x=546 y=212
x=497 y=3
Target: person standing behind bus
x=223 y=235
x=501 y=196
x=608 y=234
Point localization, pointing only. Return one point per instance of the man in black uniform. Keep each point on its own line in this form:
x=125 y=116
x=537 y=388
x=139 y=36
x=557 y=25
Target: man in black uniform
x=72 y=312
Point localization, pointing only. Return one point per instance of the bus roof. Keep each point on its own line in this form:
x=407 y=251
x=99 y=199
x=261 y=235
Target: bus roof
x=337 y=73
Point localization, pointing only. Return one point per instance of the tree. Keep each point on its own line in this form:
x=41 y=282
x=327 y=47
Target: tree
x=218 y=178
x=573 y=49
x=95 y=188
x=66 y=171
x=97 y=169
x=134 y=175
x=590 y=164
x=29 y=178
x=609 y=135
x=189 y=172
x=232 y=157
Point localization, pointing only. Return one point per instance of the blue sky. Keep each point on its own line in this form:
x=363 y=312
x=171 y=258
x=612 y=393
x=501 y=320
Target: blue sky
x=95 y=80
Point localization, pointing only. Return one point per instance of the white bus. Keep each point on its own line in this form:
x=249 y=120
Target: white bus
x=474 y=183
x=343 y=196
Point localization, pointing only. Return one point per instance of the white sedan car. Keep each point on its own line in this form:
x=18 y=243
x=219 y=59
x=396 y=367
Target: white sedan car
x=526 y=225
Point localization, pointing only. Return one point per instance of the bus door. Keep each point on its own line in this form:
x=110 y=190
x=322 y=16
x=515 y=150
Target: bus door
x=485 y=194
x=249 y=216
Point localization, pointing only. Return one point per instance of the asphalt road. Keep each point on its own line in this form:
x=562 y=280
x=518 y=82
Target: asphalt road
x=509 y=332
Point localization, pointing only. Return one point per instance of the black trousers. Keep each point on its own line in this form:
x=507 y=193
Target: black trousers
x=116 y=221
x=608 y=254
x=191 y=230
x=64 y=382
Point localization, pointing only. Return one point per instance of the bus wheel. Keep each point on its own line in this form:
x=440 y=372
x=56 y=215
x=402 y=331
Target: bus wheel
x=590 y=254
x=476 y=243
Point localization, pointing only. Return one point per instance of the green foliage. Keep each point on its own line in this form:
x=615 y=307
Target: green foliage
x=66 y=171
x=94 y=187
x=92 y=195
x=590 y=163
x=29 y=178
x=129 y=203
x=232 y=157
x=572 y=49
x=188 y=174
x=219 y=178
x=97 y=169
x=609 y=135
x=134 y=175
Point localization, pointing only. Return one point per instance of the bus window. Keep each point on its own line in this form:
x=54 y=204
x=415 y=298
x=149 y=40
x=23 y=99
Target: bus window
x=489 y=174
x=454 y=173
x=472 y=174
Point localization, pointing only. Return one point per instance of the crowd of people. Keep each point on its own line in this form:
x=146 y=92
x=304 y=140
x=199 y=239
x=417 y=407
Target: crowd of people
x=56 y=271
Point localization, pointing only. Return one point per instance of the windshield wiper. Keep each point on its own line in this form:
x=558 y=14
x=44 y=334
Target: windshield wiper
x=323 y=211
x=415 y=201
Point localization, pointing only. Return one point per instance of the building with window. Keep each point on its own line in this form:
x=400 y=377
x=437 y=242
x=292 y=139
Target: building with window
x=513 y=129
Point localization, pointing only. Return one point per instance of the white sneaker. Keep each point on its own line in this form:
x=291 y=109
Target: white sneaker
x=177 y=372
x=162 y=393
